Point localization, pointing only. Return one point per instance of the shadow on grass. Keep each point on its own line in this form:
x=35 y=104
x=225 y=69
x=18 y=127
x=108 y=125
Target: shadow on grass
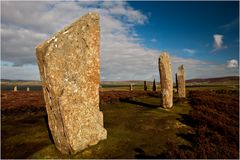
x=186 y=119
x=187 y=136
x=171 y=148
x=48 y=128
x=178 y=100
x=142 y=155
x=18 y=141
x=139 y=103
x=16 y=151
x=154 y=94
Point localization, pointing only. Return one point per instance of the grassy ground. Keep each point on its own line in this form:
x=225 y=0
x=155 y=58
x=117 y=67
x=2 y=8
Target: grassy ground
x=125 y=87
x=189 y=87
x=136 y=127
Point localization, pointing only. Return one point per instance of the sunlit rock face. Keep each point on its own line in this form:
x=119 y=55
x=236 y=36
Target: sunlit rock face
x=165 y=70
x=181 y=82
x=70 y=73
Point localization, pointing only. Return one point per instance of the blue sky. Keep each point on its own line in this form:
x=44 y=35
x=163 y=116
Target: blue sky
x=178 y=25
x=204 y=36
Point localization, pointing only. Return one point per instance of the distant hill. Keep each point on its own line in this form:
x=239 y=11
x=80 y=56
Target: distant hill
x=218 y=80
x=19 y=82
x=136 y=82
x=10 y=80
x=231 y=80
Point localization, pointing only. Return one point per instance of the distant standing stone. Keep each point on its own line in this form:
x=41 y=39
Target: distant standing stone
x=28 y=89
x=15 y=89
x=154 y=85
x=174 y=90
x=181 y=82
x=131 y=87
x=165 y=71
x=145 y=85
x=70 y=73
x=176 y=81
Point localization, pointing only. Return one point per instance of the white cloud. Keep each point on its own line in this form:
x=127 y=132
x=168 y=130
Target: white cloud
x=18 y=44
x=26 y=72
x=121 y=54
x=131 y=14
x=202 y=69
x=233 y=63
x=153 y=40
x=25 y=24
x=189 y=51
x=188 y=61
x=218 y=42
x=230 y=25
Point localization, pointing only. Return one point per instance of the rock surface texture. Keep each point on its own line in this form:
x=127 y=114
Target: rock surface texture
x=165 y=70
x=181 y=82
x=70 y=73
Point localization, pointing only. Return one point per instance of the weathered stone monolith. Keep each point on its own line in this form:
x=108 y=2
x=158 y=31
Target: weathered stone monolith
x=15 y=89
x=165 y=70
x=28 y=89
x=181 y=82
x=145 y=85
x=70 y=73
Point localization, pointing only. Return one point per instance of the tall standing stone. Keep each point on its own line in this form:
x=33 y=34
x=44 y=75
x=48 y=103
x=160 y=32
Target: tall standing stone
x=165 y=70
x=70 y=73
x=181 y=82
